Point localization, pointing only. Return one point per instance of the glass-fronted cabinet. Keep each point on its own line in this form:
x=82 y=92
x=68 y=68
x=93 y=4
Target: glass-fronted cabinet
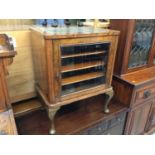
x=83 y=66
x=73 y=64
x=136 y=46
x=142 y=43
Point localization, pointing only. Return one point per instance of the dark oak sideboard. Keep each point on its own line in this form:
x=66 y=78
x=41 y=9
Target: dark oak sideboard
x=134 y=73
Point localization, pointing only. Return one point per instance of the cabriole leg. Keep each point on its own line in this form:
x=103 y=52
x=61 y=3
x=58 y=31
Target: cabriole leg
x=51 y=114
x=109 y=95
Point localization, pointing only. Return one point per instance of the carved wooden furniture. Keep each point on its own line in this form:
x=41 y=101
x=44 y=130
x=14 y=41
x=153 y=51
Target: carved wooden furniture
x=72 y=64
x=134 y=73
x=7 y=124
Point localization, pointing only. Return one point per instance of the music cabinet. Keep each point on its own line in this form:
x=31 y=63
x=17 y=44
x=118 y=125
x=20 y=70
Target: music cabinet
x=7 y=123
x=71 y=64
x=134 y=73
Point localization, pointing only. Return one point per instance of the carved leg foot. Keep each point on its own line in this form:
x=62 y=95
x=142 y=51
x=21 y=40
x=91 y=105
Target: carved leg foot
x=51 y=114
x=109 y=95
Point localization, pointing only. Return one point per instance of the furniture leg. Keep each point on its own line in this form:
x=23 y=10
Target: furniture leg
x=51 y=114
x=109 y=95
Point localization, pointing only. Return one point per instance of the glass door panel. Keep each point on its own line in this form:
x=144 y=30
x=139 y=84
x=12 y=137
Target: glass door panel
x=83 y=66
x=141 y=45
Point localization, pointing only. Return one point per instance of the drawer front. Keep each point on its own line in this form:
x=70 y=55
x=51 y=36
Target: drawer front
x=144 y=94
x=104 y=127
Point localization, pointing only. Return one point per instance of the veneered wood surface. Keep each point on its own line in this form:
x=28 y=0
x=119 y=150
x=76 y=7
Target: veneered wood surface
x=140 y=76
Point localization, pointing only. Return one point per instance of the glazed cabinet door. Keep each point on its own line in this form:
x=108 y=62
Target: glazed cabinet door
x=82 y=64
x=151 y=119
x=137 y=119
x=140 y=51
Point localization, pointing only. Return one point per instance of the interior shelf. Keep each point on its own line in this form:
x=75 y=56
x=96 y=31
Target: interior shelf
x=80 y=66
x=83 y=66
x=82 y=54
x=79 y=78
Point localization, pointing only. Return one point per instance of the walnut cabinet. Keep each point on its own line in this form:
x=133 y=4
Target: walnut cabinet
x=73 y=63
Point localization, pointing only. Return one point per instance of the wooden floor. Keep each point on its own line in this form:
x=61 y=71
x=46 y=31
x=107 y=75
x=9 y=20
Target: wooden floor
x=70 y=119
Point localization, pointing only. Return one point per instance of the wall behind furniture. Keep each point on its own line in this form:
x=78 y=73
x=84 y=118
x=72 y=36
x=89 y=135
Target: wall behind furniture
x=6 y=22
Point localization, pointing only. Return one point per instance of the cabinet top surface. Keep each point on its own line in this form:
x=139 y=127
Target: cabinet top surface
x=72 y=31
x=141 y=76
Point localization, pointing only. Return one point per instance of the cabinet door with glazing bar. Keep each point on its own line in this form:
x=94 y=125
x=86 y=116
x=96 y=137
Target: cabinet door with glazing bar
x=84 y=64
x=140 y=51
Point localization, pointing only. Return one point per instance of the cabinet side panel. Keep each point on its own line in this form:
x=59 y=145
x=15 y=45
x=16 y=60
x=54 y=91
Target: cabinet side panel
x=122 y=92
x=111 y=60
x=122 y=26
x=2 y=96
x=39 y=61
